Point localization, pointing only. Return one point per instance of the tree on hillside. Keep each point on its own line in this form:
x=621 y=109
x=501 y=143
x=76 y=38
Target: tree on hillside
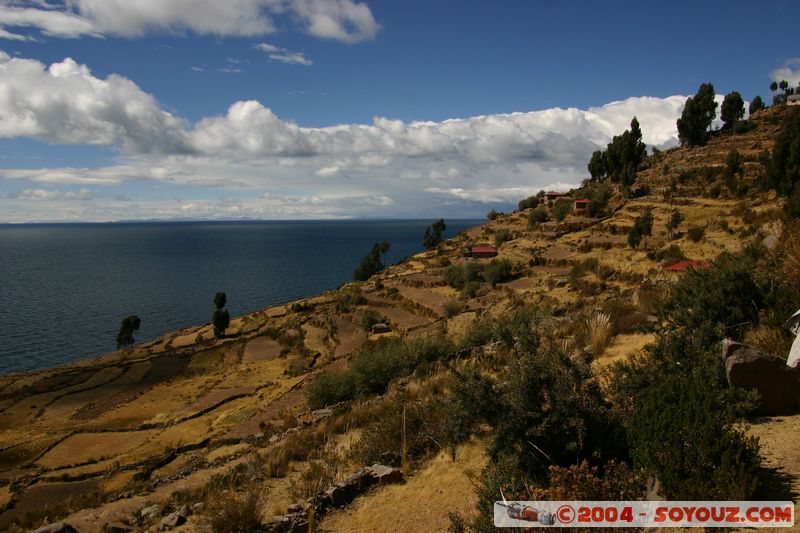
x=756 y=105
x=674 y=221
x=372 y=263
x=784 y=168
x=621 y=158
x=783 y=85
x=642 y=226
x=597 y=165
x=773 y=86
x=125 y=336
x=433 y=234
x=561 y=209
x=732 y=109
x=698 y=113
x=221 y=319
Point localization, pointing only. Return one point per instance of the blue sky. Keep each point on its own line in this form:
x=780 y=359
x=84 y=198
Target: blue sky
x=140 y=109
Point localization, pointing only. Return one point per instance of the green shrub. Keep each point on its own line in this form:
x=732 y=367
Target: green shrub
x=501 y=237
x=496 y=271
x=492 y=215
x=561 y=209
x=696 y=233
x=451 y=308
x=329 y=388
x=348 y=299
x=370 y=319
x=725 y=299
x=538 y=216
x=680 y=432
x=458 y=275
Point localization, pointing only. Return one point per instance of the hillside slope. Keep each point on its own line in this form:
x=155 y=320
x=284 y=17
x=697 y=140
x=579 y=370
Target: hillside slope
x=99 y=440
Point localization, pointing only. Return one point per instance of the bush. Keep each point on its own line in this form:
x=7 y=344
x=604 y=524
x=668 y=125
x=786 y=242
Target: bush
x=725 y=299
x=492 y=215
x=370 y=319
x=696 y=233
x=349 y=298
x=496 y=271
x=231 y=511
x=501 y=237
x=561 y=209
x=538 y=216
x=680 y=432
x=329 y=388
x=451 y=308
x=458 y=275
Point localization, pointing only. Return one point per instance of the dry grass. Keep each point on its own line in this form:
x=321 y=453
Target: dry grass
x=234 y=511
x=598 y=327
x=421 y=504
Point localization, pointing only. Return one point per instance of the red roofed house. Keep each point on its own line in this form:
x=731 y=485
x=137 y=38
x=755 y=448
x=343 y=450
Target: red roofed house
x=482 y=251
x=680 y=266
x=581 y=205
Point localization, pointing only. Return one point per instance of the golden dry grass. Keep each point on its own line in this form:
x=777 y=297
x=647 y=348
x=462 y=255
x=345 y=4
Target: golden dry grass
x=85 y=447
x=623 y=347
x=421 y=504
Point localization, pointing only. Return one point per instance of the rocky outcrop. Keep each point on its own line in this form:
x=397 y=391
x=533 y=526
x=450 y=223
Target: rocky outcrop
x=749 y=368
x=339 y=495
x=347 y=490
x=174 y=519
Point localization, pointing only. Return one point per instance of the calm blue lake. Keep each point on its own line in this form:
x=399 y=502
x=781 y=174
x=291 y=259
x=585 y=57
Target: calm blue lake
x=66 y=287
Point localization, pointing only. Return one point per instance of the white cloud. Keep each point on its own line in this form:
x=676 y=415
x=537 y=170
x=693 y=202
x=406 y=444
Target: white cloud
x=388 y=167
x=283 y=55
x=65 y=103
x=342 y=20
x=790 y=71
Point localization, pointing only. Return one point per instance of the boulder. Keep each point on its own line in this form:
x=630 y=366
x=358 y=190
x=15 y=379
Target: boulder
x=150 y=513
x=173 y=520
x=58 y=527
x=749 y=368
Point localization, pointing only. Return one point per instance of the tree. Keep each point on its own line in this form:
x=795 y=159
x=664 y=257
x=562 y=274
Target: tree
x=538 y=216
x=492 y=215
x=562 y=209
x=732 y=109
x=756 y=105
x=784 y=168
x=433 y=234
x=698 y=113
x=783 y=85
x=773 y=86
x=372 y=263
x=222 y=318
x=597 y=165
x=127 y=327
x=621 y=158
x=674 y=221
x=642 y=226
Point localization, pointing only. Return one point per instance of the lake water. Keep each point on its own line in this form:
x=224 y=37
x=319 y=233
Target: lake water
x=66 y=287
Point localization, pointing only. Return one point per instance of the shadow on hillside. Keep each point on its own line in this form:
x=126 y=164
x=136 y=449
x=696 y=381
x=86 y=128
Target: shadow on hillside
x=775 y=484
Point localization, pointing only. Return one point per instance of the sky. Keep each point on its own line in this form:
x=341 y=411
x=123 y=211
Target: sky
x=315 y=109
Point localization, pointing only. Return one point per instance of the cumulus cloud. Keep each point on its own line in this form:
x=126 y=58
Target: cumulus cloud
x=387 y=166
x=283 y=55
x=65 y=103
x=790 y=71
x=342 y=20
